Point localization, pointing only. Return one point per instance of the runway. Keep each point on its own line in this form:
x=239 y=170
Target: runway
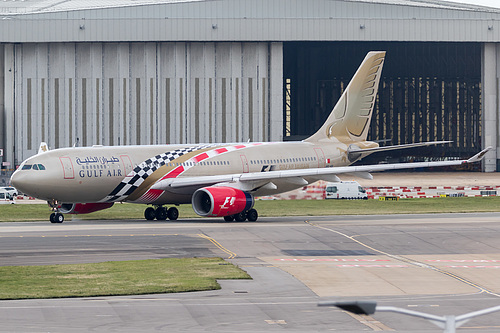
x=440 y=264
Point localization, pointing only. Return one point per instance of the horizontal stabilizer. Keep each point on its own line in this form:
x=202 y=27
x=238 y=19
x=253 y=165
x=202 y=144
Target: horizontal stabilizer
x=355 y=152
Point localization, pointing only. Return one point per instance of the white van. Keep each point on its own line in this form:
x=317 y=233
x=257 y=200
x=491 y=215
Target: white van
x=9 y=189
x=345 y=190
x=6 y=198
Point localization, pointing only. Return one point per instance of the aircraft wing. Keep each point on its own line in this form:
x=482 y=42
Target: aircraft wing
x=260 y=178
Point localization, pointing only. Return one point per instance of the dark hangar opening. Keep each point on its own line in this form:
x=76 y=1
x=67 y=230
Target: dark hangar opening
x=428 y=92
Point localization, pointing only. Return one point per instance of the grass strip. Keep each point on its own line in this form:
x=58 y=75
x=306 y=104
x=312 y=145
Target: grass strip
x=115 y=278
x=37 y=212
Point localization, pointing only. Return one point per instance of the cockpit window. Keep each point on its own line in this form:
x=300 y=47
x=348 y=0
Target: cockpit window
x=33 y=167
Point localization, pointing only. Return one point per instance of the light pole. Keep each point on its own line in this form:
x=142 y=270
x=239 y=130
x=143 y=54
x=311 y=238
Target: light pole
x=448 y=323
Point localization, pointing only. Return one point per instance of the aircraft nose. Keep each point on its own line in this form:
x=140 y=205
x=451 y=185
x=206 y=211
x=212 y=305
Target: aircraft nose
x=21 y=181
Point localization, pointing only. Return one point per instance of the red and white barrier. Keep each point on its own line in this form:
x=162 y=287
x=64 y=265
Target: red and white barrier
x=316 y=191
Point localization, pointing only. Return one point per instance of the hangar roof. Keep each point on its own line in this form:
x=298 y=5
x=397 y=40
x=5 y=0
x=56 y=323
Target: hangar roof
x=41 y=6
x=246 y=20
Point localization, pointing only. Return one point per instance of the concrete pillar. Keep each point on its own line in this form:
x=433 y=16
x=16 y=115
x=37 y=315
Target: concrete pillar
x=9 y=109
x=276 y=91
x=2 y=104
x=490 y=105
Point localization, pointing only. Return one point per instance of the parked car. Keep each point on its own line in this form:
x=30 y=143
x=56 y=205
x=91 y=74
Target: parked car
x=6 y=198
x=9 y=189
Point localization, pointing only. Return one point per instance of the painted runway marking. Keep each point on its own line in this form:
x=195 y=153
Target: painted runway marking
x=330 y=259
x=276 y=322
x=123 y=235
x=231 y=254
x=478 y=266
x=369 y=321
x=463 y=260
x=368 y=261
x=372 y=266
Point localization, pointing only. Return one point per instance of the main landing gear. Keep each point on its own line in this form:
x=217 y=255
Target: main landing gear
x=161 y=213
x=250 y=215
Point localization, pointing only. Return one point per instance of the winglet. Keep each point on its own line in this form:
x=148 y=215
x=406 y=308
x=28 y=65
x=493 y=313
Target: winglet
x=43 y=148
x=479 y=156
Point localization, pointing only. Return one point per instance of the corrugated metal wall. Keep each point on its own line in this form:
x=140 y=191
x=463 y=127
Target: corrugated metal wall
x=256 y=20
x=428 y=92
x=215 y=29
x=146 y=93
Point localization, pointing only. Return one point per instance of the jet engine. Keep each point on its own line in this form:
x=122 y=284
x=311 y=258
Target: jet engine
x=221 y=201
x=83 y=208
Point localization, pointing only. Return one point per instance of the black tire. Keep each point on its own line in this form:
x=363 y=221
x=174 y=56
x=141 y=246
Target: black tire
x=149 y=214
x=58 y=218
x=172 y=213
x=229 y=218
x=53 y=218
x=252 y=215
x=161 y=213
x=240 y=217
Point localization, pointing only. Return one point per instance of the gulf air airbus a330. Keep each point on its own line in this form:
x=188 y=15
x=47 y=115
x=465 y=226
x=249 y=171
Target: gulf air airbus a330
x=217 y=179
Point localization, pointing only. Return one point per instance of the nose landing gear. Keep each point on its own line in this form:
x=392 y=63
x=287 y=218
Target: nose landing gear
x=161 y=213
x=55 y=217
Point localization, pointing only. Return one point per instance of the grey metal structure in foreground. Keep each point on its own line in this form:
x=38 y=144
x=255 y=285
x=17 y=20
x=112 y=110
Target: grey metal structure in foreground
x=448 y=323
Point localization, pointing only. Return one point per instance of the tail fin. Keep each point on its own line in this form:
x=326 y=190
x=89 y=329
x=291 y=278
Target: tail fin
x=350 y=119
x=43 y=148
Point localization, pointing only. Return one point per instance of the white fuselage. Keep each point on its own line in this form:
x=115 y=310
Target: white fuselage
x=92 y=174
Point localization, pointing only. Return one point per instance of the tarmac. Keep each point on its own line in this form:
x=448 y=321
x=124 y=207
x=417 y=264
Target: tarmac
x=441 y=264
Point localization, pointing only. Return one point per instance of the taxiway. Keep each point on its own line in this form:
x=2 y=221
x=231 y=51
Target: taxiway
x=440 y=264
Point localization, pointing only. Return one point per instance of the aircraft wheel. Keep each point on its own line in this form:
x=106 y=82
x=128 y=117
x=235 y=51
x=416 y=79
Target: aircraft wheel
x=161 y=213
x=240 y=217
x=149 y=213
x=172 y=213
x=56 y=218
x=229 y=218
x=252 y=215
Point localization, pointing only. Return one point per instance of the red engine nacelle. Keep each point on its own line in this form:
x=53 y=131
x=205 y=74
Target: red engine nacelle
x=221 y=201
x=83 y=208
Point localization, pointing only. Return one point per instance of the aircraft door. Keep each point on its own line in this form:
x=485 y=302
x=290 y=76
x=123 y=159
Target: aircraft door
x=69 y=172
x=321 y=157
x=244 y=163
x=127 y=164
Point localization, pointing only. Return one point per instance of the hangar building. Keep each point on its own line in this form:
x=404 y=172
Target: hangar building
x=127 y=72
